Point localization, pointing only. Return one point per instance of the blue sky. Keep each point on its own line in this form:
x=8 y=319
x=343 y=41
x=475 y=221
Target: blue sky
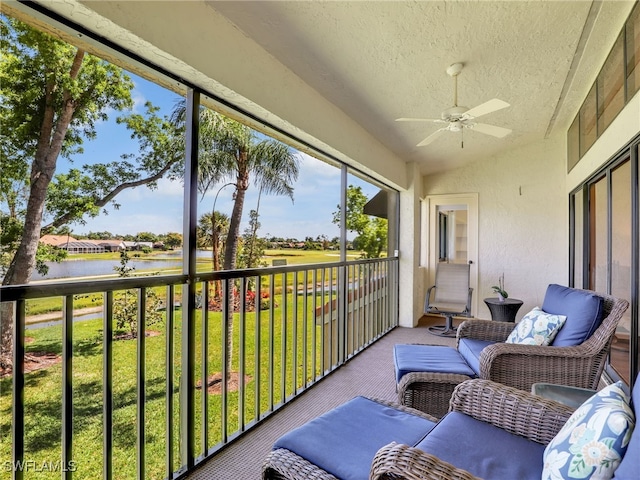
x=316 y=193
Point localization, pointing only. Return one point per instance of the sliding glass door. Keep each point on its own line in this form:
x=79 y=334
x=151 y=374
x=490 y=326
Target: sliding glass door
x=604 y=249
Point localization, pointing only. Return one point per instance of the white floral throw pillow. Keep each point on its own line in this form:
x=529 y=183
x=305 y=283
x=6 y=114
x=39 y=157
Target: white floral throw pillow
x=593 y=441
x=536 y=328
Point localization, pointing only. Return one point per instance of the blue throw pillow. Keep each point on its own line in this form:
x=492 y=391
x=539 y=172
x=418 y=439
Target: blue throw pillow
x=536 y=328
x=595 y=438
x=583 y=309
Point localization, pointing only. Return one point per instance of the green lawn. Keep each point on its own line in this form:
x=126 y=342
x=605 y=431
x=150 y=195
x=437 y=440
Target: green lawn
x=293 y=257
x=43 y=387
x=43 y=391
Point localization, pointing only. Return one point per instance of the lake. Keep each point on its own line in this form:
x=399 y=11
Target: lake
x=73 y=268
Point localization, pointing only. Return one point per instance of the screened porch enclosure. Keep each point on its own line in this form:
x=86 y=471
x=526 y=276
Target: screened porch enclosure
x=143 y=397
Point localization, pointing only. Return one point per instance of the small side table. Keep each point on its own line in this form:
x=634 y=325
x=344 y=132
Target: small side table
x=504 y=311
x=570 y=396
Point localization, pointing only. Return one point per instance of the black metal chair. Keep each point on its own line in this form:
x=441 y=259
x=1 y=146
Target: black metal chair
x=450 y=296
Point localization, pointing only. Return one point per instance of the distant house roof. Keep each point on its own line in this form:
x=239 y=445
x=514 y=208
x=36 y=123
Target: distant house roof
x=138 y=244
x=115 y=243
x=81 y=244
x=56 y=240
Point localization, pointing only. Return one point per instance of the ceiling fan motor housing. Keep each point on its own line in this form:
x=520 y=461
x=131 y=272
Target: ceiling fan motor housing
x=454 y=113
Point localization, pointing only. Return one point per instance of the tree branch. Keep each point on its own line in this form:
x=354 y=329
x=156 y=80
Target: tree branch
x=69 y=216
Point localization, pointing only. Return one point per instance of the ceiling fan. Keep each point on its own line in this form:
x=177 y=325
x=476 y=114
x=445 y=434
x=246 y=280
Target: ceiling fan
x=457 y=118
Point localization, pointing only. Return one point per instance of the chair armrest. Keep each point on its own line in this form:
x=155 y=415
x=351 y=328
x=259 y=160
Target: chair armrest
x=403 y=408
x=283 y=464
x=521 y=366
x=484 y=330
x=516 y=411
x=396 y=461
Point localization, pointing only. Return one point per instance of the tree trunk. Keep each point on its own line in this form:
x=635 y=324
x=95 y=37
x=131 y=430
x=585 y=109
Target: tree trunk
x=215 y=253
x=231 y=246
x=52 y=134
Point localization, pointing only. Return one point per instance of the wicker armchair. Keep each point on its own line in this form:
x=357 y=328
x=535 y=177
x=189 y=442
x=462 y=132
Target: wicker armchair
x=510 y=409
x=520 y=366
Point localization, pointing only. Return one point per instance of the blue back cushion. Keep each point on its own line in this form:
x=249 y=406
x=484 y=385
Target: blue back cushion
x=483 y=450
x=470 y=349
x=584 y=311
x=629 y=468
x=344 y=440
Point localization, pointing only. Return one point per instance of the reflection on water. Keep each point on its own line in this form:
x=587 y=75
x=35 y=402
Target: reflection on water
x=73 y=268
x=51 y=323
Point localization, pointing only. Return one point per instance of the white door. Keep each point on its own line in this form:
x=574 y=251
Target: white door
x=450 y=234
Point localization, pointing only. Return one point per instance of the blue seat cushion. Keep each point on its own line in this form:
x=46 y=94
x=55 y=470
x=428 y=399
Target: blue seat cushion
x=584 y=311
x=470 y=349
x=483 y=449
x=429 y=358
x=344 y=440
x=630 y=465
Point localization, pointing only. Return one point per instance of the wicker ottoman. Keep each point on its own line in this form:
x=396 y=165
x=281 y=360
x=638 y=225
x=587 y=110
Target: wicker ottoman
x=342 y=442
x=426 y=376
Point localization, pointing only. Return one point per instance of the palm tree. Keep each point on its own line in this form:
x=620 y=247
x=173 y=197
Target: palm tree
x=212 y=231
x=237 y=155
x=230 y=152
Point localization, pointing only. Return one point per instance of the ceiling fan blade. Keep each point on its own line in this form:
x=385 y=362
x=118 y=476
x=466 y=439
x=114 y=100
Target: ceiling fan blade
x=487 y=107
x=431 y=137
x=434 y=120
x=491 y=130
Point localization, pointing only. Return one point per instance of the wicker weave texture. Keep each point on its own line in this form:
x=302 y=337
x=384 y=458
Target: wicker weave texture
x=519 y=366
x=429 y=392
x=511 y=409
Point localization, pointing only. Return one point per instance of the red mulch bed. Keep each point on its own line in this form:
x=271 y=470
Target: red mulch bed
x=33 y=361
x=131 y=336
x=215 y=383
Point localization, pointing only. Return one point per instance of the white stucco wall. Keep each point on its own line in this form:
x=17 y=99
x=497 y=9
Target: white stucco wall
x=522 y=219
x=411 y=281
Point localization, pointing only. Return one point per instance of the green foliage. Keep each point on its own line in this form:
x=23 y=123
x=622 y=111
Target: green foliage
x=231 y=153
x=35 y=76
x=10 y=232
x=372 y=231
x=253 y=247
x=172 y=240
x=54 y=95
x=48 y=253
x=125 y=303
x=499 y=289
x=147 y=237
x=10 y=235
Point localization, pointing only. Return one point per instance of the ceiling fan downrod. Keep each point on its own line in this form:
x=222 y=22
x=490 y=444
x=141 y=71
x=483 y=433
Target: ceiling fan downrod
x=453 y=71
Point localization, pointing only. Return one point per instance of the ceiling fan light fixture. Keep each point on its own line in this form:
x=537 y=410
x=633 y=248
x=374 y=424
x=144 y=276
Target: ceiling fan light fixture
x=458 y=117
x=454 y=113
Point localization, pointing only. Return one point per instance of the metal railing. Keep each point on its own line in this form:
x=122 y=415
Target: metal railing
x=245 y=343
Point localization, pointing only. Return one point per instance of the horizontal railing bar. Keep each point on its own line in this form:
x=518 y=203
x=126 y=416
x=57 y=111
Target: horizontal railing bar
x=58 y=289
x=11 y=293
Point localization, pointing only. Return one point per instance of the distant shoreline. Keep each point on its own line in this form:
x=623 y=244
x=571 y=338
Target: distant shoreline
x=52 y=316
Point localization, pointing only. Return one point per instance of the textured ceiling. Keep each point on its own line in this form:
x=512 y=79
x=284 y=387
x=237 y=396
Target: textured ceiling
x=378 y=61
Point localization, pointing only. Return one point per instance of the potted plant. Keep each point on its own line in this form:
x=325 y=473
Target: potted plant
x=499 y=289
